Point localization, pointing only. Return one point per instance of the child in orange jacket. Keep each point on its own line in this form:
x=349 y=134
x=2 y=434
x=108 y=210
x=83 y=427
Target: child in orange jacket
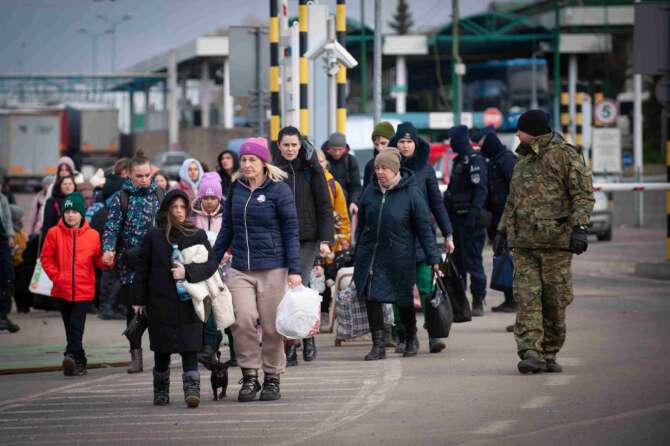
x=70 y=254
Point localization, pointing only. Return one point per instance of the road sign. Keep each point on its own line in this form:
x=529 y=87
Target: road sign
x=606 y=150
x=493 y=116
x=605 y=112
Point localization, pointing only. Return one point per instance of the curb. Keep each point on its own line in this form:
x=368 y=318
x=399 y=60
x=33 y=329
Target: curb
x=57 y=368
x=656 y=270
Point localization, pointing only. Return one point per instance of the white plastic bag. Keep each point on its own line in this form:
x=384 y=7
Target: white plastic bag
x=40 y=282
x=299 y=313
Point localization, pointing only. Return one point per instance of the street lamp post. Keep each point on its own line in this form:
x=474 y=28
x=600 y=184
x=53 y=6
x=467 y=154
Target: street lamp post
x=94 y=45
x=113 y=24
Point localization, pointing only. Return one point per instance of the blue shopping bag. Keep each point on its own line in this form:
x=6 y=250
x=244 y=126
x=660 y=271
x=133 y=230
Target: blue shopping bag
x=503 y=272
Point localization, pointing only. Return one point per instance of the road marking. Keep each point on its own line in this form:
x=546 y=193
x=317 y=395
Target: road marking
x=537 y=402
x=559 y=380
x=496 y=428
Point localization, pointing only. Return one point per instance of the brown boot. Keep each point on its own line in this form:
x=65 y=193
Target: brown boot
x=136 y=365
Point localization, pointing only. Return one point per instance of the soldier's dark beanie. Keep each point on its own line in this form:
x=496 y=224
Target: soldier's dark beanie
x=534 y=122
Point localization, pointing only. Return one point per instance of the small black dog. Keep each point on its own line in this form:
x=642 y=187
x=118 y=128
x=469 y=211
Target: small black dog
x=219 y=377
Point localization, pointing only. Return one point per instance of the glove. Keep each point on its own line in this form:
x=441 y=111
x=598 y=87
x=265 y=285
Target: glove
x=499 y=243
x=579 y=239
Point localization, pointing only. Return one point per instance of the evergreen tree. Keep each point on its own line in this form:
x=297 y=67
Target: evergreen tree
x=402 y=19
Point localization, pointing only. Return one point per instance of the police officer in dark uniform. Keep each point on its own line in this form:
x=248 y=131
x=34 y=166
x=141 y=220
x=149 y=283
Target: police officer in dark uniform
x=500 y=166
x=465 y=200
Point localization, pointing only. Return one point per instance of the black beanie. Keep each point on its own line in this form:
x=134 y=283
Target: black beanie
x=408 y=131
x=534 y=122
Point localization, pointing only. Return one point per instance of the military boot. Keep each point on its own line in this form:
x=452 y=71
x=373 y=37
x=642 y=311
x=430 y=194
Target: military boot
x=161 y=388
x=270 y=390
x=531 y=364
x=553 y=366
x=378 y=347
x=191 y=381
x=250 y=386
x=477 y=306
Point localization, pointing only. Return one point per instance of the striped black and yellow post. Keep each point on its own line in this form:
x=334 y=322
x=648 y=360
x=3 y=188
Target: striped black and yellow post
x=275 y=121
x=303 y=17
x=341 y=32
x=565 y=113
x=579 y=118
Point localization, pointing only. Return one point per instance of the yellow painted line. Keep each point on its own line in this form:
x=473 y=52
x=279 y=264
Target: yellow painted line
x=341 y=118
x=302 y=17
x=274 y=79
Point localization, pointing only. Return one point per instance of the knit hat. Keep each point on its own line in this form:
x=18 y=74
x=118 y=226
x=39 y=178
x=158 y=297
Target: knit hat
x=459 y=140
x=385 y=129
x=210 y=186
x=406 y=130
x=68 y=161
x=257 y=147
x=389 y=159
x=75 y=201
x=337 y=139
x=534 y=122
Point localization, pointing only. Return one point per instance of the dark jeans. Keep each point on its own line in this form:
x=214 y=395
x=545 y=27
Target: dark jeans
x=376 y=316
x=189 y=361
x=74 y=320
x=468 y=255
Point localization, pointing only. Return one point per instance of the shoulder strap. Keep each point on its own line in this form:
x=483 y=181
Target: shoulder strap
x=124 y=198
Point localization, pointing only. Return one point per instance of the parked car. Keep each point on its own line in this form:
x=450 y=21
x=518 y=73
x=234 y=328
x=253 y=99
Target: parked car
x=170 y=162
x=601 y=219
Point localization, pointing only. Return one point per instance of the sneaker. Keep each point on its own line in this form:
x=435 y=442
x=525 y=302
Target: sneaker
x=270 y=390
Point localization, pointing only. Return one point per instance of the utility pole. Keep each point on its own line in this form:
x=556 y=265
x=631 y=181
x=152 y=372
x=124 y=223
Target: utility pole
x=113 y=24
x=377 y=81
x=364 y=63
x=457 y=68
x=94 y=45
x=557 y=66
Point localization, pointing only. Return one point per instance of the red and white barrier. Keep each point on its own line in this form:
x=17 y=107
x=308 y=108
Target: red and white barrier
x=629 y=187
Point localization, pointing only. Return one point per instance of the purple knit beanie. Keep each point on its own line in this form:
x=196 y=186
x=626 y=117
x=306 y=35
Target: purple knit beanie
x=210 y=186
x=257 y=147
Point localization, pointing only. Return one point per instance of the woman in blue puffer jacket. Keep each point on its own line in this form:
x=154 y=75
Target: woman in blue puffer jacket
x=261 y=224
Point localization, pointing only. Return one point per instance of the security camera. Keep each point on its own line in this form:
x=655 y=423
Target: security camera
x=342 y=54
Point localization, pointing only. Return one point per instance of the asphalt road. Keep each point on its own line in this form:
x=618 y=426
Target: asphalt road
x=615 y=389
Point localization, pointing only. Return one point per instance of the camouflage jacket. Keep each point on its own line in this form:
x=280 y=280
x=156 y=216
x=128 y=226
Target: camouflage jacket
x=551 y=191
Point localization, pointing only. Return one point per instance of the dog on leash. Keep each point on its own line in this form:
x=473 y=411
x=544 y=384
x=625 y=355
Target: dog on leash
x=219 y=377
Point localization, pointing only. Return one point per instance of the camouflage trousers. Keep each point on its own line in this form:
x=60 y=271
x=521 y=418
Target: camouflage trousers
x=543 y=289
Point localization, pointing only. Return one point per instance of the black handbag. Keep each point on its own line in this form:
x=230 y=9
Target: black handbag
x=502 y=275
x=136 y=328
x=455 y=289
x=438 y=312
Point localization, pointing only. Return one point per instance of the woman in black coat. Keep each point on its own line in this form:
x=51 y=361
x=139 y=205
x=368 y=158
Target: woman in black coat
x=174 y=326
x=392 y=215
x=228 y=163
x=316 y=224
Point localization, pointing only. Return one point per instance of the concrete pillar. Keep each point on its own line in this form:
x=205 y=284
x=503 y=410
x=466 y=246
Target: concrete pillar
x=173 y=111
x=227 y=98
x=400 y=84
x=572 y=92
x=204 y=95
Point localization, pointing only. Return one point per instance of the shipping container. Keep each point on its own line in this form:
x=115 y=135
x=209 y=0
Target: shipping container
x=91 y=130
x=30 y=142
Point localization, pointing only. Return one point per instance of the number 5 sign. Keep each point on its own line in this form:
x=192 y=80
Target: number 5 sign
x=605 y=112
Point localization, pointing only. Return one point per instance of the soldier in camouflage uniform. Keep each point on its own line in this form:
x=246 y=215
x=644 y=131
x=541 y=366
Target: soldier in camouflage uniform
x=544 y=224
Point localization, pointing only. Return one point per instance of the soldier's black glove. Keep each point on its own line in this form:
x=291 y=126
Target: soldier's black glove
x=499 y=243
x=579 y=239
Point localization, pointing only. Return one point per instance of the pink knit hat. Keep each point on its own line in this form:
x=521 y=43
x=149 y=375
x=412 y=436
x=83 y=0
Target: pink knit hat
x=257 y=147
x=210 y=186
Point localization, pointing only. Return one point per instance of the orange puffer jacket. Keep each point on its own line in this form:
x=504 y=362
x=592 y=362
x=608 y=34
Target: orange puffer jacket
x=69 y=257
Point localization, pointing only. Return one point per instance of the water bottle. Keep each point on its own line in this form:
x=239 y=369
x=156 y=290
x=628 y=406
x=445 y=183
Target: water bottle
x=181 y=289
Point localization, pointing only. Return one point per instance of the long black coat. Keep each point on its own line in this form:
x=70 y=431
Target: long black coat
x=388 y=226
x=173 y=325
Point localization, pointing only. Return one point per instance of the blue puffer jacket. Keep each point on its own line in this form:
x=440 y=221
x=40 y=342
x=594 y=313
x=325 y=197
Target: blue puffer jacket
x=123 y=234
x=262 y=226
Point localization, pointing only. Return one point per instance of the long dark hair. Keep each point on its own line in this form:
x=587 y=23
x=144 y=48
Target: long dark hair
x=186 y=227
x=59 y=182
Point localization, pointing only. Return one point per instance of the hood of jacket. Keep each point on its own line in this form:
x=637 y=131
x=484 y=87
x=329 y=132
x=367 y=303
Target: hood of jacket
x=460 y=141
x=197 y=208
x=183 y=172
x=236 y=161
x=492 y=146
x=420 y=158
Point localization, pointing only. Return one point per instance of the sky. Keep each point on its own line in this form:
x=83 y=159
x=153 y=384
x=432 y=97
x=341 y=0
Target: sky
x=42 y=36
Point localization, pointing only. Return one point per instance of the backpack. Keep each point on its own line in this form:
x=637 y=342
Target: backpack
x=124 y=196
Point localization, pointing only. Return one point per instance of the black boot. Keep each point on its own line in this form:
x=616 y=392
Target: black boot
x=435 y=345
x=411 y=343
x=508 y=305
x=6 y=324
x=161 y=388
x=191 y=382
x=69 y=364
x=270 y=390
x=477 y=306
x=136 y=363
x=400 y=342
x=231 y=346
x=552 y=366
x=309 y=349
x=291 y=354
x=250 y=385
x=378 y=346
x=388 y=336
x=80 y=364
